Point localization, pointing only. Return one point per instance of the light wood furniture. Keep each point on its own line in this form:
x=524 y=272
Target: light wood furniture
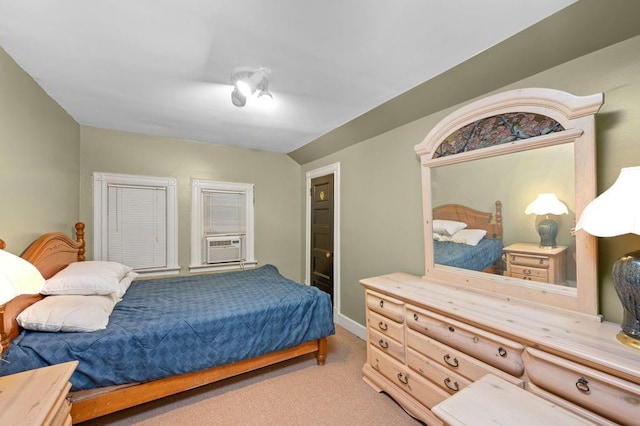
x=493 y=401
x=526 y=261
x=511 y=124
x=428 y=340
x=432 y=336
x=37 y=397
x=474 y=219
x=52 y=252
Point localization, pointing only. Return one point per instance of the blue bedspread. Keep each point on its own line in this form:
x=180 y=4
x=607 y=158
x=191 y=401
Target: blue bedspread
x=171 y=326
x=475 y=258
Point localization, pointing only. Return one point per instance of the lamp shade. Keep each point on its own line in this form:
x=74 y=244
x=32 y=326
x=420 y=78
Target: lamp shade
x=617 y=210
x=546 y=203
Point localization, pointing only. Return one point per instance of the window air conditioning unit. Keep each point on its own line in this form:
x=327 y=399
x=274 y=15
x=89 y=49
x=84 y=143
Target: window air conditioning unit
x=224 y=249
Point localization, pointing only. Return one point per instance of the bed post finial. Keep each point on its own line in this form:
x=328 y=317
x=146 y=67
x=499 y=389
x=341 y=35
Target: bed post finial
x=80 y=239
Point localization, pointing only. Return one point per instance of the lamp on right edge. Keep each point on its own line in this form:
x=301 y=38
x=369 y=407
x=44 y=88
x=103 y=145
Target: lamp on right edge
x=616 y=212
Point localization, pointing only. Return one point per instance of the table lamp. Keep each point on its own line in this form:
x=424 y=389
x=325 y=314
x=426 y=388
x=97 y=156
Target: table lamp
x=546 y=204
x=616 y=212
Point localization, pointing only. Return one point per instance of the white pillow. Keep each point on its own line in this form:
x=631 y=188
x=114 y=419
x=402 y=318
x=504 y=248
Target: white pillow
x=470 y=237
x=25 y=278
x=447 y=227
x=7 y=290
x=68 y=313
x=86 y=278
x=126 y=282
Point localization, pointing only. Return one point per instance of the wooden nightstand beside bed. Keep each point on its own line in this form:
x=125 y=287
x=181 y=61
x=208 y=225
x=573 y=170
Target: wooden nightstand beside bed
x=37 y=397
x=531 y=262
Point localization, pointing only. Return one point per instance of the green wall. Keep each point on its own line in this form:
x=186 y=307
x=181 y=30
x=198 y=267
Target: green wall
x=278 y=203
x=381 y=217
x=39 y=147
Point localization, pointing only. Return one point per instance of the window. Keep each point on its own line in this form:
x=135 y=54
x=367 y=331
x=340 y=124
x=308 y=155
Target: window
x=221 y=225
x=135 y=222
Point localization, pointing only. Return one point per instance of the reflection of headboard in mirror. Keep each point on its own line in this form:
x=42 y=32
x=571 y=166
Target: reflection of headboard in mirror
x=492 y=223
x=512 y=122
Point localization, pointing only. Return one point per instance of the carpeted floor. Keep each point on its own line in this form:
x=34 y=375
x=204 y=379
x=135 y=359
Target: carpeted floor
x=296 y=392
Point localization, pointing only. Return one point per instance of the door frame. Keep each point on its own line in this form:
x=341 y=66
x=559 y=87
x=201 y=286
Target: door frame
x=331 y=169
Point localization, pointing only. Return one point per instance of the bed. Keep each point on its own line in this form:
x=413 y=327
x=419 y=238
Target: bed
x=486 y=254
x=160 y=341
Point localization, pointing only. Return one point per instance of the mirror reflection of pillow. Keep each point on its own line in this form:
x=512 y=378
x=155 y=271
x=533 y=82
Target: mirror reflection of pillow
x=442 y=237
x=447 y=227
x=469 y=237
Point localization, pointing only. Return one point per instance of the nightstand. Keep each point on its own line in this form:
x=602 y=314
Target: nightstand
x=37 y=397
x=529 y=261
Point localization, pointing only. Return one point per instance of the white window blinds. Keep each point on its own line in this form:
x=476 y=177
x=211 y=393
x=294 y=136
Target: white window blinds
x=224 y=212
x=137 y=225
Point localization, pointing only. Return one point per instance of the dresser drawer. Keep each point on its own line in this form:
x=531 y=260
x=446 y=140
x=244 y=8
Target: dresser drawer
x=570 y=406
x=386 y=344
x=455 y=360
x=608 y=396
x=529 y=260
x=529 y=273
x=441 y=376
x=386 y=326
x=60 y=412
x=420 y=389
x=502 y=353
x=387 y=306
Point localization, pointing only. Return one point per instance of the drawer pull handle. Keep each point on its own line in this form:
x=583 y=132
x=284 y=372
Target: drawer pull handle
x=526 y=271
x=583 y=385
x=382 y=303
x=415 y=317
x=456 y=387
x=383 y=344
x=382 y=326
x=451 y=329
x=541 y=261
x=404 y=378
x=502 y=352
x=453 y=363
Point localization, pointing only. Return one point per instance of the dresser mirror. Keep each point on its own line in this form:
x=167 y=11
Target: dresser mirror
x=514 y=179
x=488 y=151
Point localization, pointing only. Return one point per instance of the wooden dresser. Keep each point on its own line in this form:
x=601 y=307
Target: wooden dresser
x=37 y=397
x=427 y=341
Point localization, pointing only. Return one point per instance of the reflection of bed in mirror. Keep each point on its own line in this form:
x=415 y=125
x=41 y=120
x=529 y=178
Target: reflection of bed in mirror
x=486 y=255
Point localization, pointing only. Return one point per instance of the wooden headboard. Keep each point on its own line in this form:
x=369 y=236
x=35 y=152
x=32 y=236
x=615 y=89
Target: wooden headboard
x=473 y=218
x=50 y=253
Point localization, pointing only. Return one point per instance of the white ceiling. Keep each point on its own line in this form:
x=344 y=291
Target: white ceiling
x=163 y=67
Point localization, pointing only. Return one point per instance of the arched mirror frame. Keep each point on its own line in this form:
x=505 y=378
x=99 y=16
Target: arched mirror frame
x=576 y=115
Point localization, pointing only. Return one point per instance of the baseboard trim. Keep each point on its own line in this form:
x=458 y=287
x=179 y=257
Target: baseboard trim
x=352 y=326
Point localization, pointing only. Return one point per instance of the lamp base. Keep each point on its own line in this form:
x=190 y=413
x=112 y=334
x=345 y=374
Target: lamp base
x=627 y=340
x=626 y=280
x=548 y=230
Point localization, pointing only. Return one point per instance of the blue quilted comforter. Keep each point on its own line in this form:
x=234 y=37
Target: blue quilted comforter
x=475 y=258
x=170 y=326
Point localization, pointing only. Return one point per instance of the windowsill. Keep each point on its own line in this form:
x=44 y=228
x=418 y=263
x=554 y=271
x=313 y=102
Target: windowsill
x=158 y=272
x=223 y=266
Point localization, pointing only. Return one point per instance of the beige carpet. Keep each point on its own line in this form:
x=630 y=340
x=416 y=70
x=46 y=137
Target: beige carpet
x=296 y=392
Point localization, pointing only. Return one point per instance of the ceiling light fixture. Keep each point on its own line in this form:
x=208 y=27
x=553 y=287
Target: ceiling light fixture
x=249 y=82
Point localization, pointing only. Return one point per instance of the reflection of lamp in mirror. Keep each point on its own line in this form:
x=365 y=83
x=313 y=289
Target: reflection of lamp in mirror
x=546 y=204
x=616 y=212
